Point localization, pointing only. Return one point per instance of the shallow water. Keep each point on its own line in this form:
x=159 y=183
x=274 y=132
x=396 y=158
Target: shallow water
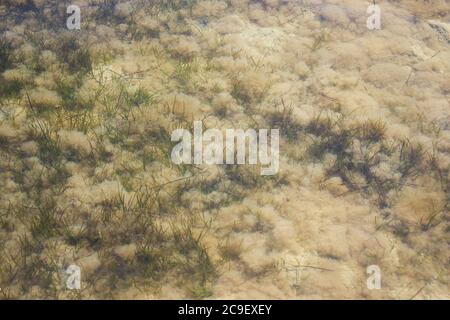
x=87 y=178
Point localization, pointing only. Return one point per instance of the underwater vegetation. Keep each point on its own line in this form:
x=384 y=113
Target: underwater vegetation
x=86 y=176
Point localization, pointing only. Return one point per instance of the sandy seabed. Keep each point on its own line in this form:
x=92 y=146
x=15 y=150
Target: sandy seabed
x=86 y=176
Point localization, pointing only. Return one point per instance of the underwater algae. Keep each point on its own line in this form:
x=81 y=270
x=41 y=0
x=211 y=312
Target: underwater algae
x=86 y=175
